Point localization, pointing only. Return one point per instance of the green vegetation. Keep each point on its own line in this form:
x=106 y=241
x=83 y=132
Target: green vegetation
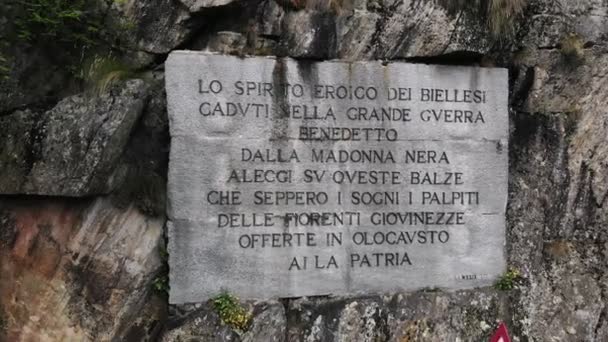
x=75 y=33
x=160 y=284
x=572 y=48
x=232 y=312
x=508 y=280
x=74 y=23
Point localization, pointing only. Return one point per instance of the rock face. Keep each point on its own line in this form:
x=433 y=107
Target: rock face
x=401 y=317
x=81 y=269
x=160 y=25
x=77 y=270
x=197 y=5
x=71 y=150
x=201 y=323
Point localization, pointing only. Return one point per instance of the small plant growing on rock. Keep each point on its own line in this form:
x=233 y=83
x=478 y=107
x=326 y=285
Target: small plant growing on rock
x=508 y=281
x=160 y=284
x=232 y=312
x=571 y=47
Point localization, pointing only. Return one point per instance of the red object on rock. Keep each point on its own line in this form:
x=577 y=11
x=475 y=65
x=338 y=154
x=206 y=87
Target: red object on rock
x=501 y=334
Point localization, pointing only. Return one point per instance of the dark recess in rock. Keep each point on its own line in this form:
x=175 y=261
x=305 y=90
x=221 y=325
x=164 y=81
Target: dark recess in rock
x=8 y=232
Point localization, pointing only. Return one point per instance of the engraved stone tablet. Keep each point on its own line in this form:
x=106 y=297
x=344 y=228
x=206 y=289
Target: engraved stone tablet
x=296 y=178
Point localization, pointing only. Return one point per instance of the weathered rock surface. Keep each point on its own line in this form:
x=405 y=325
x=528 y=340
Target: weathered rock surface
x=159 y=25
x=431 y=316
x=557 y=214
x=427 y=316
x=197 y=5
x=364 y=30
x=146 y=156
x=203 y=324
x=77 y=270
x=29 y=77
x=72 y=149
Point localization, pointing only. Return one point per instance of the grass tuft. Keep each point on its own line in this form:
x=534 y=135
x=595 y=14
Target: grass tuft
x=501 y=15
x=101 y=73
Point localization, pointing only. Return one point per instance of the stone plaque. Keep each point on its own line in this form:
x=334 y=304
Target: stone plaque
x=297 y=178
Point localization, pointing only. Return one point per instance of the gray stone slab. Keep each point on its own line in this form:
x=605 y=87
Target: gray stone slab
x=328 y=197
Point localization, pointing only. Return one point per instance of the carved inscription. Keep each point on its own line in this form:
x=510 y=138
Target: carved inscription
x=296 y=178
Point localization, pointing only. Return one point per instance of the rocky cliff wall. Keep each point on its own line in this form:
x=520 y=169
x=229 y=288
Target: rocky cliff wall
x=84 y=172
